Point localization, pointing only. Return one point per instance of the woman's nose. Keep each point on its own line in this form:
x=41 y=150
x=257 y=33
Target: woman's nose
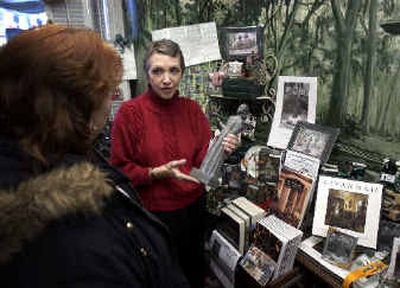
x=167 y=78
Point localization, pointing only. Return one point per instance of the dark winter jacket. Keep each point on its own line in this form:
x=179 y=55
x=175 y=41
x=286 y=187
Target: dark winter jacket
x=77 y=225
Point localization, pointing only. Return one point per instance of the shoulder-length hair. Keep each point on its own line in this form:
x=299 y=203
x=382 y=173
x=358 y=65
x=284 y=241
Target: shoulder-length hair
x=51 y=81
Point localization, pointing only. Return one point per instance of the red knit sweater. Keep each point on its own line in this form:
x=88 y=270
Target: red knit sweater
x=148 y=132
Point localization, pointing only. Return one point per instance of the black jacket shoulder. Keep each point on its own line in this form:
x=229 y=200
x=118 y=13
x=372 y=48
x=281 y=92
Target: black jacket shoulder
x=76 y=226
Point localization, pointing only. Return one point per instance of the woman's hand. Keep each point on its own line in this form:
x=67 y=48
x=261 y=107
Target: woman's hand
x=171 y=170
x=230 y=143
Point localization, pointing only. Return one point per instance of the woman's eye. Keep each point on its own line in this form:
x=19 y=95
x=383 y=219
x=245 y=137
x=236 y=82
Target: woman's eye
x=175 y=71
x=157 y=71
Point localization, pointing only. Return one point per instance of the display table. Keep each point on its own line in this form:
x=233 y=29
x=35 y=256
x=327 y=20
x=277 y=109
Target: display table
x=315 y=269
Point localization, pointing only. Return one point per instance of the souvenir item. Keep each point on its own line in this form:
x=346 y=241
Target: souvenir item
x=301 y=163
x=339 y=247
x=215 y=154
x=394 y=267
x=249 y=122
x=366 y=278
x=255 y=212
x=311 y=249
x=261 y=163
x=233 y=69
x=232 y=176
x=258 y=265
x=233 y=228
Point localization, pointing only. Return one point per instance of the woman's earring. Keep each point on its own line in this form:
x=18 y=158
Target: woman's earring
x=93 y=128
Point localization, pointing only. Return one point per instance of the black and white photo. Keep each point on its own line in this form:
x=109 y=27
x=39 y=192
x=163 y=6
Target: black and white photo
x=296 y=101
x=313 y=140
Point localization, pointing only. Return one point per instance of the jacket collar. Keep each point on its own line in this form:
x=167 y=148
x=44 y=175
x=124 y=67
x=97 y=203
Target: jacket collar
x=26 y=210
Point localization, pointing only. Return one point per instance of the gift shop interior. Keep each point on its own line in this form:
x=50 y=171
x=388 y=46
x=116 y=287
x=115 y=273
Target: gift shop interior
x=295 y=123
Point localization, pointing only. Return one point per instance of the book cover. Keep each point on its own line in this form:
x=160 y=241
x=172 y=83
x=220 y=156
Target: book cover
x=350 y=206
x=279 y=241
x=294 y=195
x=224 y=258
x=233 y=228
x=256 y=213
x=247 y=221
x=258 y=265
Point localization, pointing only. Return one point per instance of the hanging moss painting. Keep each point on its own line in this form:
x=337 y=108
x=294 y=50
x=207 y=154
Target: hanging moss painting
x=341 y=42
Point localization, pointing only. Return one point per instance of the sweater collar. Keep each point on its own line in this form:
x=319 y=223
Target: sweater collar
x=160 y=103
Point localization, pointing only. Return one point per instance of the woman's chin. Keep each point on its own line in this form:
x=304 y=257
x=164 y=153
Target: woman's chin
x=166 y=95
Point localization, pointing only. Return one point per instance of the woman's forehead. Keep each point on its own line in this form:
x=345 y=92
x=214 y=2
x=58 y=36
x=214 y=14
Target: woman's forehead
x=162 y=60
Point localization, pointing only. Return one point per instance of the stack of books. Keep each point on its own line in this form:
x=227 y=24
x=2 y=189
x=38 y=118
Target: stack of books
x=238 y=220
x=272 y=252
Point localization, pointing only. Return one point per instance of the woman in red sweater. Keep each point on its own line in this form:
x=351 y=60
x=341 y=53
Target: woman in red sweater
x=157 y=138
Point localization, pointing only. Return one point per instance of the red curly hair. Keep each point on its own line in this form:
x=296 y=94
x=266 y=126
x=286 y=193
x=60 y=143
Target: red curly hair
x=51 y=81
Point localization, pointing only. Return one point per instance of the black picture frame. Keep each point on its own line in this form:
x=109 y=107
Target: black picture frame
x=313 y=140
x=237 y=43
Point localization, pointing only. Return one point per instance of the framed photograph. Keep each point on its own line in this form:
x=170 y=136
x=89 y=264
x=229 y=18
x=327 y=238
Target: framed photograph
x=239 y=42
x=339 y=247
x=394 y=266
x=294 y=194
x=351 y=206
x=313 y=140
x=296 y=100
x=312 y=248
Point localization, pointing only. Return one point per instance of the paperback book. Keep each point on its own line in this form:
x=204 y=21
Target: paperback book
x=233 y=228
x=278 y=242
x=224 y=258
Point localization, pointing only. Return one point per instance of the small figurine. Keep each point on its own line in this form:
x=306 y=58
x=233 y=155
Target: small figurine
x=248 y=121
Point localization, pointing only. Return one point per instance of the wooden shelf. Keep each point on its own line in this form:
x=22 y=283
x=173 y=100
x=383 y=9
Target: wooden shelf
x=217 y=96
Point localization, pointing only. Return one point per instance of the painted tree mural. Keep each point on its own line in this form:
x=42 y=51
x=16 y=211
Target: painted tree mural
x=339 y=41
x=345 y=24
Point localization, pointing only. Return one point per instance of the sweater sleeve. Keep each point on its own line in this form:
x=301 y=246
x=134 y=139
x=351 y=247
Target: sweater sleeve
x=204 y=135
x=125 y=135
